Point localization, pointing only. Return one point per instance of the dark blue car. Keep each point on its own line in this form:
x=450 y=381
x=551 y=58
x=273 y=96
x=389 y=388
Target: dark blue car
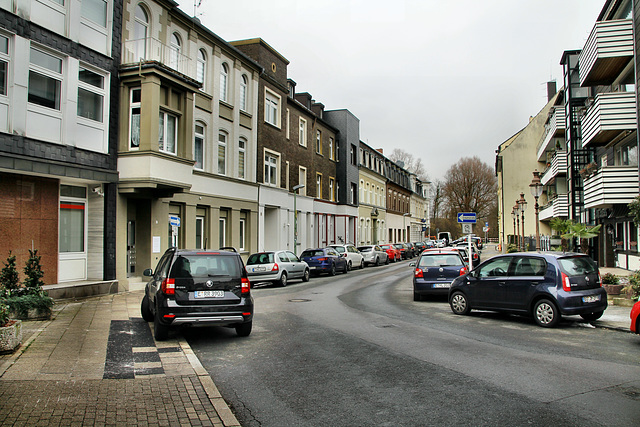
x=324 y=260
x=543 y=285
x=435 y=270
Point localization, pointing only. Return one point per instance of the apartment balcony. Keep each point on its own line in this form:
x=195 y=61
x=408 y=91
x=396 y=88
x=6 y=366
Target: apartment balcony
x=554 y=128
x=142 y=51
x=607 y=51
x=153 y=174
x=556 y=208
x=610 y=115
x=558 y=167
x=611 y=185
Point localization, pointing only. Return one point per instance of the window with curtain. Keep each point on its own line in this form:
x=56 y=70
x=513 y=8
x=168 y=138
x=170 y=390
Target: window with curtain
x=242 y=149
x=168 y=133
x=270 y=169
x=198 y=146
x=201 y=67
x=224 y=73
x=222 y=153
x=244 y=82
x=134 y=118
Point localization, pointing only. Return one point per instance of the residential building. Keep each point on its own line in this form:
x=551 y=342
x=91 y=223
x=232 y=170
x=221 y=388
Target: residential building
x=418 y=208
x=398 y=194
x=58 y=139
x=188 y=139
x=372 y=213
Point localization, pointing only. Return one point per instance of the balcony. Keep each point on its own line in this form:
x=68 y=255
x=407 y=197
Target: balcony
x=611 y=185
x=558 y=167
x=554 y=127
x=153 y=50
x=556 y=208
x=607 y=51
x=611 y=114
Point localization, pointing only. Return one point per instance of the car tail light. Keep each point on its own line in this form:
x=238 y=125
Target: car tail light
x=323 y=259
x=599 y=279
x=566 y=284
x=275 y=267
x=418 y=273
x=168 y=287
x=463 y=271
x=169 y=316
x=246 y=286
x=475 y=256
x=344 y=255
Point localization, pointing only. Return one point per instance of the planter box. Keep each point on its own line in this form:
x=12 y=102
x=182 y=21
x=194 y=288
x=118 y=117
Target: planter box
x=613 y=289
x=10 y=336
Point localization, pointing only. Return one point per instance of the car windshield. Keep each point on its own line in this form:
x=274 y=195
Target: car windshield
x=204 y=266
x=264 y=258
x=440 y=260
x=365 y=248
x=338 y=249
x=312 y=253
x=385 y=246
x=577 y=266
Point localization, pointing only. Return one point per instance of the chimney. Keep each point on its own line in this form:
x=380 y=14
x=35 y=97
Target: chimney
x=551 y=90
x=380 y=150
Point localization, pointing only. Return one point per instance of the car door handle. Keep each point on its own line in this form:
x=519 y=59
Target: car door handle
x=502 y=283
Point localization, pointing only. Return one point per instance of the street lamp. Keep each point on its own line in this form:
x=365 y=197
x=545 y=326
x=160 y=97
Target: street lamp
x=516 y=213
x=523 y=205
x=295 y=218
x=536 y=191
x=513 y=217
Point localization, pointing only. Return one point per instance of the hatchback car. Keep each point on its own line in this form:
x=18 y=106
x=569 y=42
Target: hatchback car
x=635 y=318
x=474 y=251
x=545 y=285
x=324 y=260
x=353 y=256
x=434 y=272
x=404 y=252
x=374 y=255
x=277 y=267
x=393 y=253
x=198 y=288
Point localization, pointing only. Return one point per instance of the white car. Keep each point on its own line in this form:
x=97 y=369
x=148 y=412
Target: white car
x=353 y=256
x=276 y=267
x=374 y=255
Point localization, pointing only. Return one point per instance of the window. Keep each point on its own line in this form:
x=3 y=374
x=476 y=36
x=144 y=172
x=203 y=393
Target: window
x=201 y=67
x=495 y=268
x=167 y=133
x=222 y=153
x=337 y=150
x=134 y=118
x=174 y=52
x=242 y=150
x=303 y=132
x=352 y=194
x=95 y=11
x=331 y=152
x=140 y=30
x=270 y=169
x=4 y=61
x=319 y=185
x=45 y=79
x=243 y=92
x=332 y=189
x=199 y=232
x=627 y=155
x=302 y=180
x=90 y=95
x=222 y=232
x=318 y=142
x=72 y=219
x=272 y=108
x=352 y=153
x=242 y=230
x=198 y=146
x=224 y=73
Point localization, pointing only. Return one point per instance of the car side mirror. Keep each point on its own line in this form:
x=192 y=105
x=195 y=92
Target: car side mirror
x=147 y=273
x=412 y=264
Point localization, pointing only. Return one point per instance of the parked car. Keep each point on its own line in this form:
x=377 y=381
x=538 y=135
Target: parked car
x=635 y=318
x=441 y=243
x=435 y=270
x=403 y=250
x=411 y=250
x=463 y=252
x=545 y=285
x=418 y=247
x=198 y=288
x=474 y=251
x=430 y=243
x=374 y=255
x=324 y=260
x=393 y=253
x=277 y=267
x=354 y=258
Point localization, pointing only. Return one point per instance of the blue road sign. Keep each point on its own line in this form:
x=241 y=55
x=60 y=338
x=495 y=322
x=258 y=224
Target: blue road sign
x=467 y=217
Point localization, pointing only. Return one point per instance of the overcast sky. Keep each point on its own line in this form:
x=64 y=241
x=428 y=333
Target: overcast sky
x=439 y=79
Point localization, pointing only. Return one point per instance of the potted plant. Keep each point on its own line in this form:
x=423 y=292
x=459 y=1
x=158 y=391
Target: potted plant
x=10 y=330
x=611 y=283
x=632 y=290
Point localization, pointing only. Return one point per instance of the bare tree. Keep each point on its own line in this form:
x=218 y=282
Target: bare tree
x=411 y=163
x=470 y=186
x=436 y=201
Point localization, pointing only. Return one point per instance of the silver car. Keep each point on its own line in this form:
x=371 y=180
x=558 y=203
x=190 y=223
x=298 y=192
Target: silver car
x=374 y=255
x=354 y=258
x=277 y=267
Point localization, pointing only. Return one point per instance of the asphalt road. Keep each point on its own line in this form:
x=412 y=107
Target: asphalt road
x=356 y=350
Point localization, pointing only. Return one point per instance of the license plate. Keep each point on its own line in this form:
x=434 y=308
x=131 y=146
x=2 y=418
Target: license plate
x=259 y=269
x=591 y=298
x=442 y=285
x=312 y=268
x=209 y=294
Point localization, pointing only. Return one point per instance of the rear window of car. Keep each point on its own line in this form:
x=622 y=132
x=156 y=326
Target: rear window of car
x=312 y=253
x=339 y=249
x=266 y=258
x=187 y=266
x=365 y=248
x=440 y=260
x=577 y=266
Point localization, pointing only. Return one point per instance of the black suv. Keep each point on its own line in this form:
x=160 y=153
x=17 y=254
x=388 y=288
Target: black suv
x=198 y=288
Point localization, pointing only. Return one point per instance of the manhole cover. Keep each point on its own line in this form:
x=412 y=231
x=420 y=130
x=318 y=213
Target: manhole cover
x=299 y=300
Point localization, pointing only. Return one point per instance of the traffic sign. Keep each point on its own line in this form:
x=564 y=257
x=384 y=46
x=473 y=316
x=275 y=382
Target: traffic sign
x=467 y=217
x=467 y=228
x=174 y=220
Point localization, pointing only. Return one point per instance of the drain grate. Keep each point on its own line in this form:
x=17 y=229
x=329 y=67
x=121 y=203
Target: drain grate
x=299 y=300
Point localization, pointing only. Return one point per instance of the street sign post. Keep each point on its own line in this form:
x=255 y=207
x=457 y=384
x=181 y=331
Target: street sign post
x=467 y=217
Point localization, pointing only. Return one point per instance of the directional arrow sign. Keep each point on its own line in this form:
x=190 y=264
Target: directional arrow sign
x=467 y=217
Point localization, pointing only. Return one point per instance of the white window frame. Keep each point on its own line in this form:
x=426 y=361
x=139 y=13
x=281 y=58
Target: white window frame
x=242 y=230
x=331 y=153
x=199 y=226
x=242 y=158
x=302 y=132
x=5 y=57
x=202 y=136
x=318 y=185
x=272 y=108
x=332 y=189
x=140 y=49
x=201 y=68
x=244 y=86
x=163 y=147
x=269 y=166
x=222 y=230
x=51 y=74
x=101 y=92
x=223 y=137
x=318 y=141
x=132 y=106
x=302 y=180
x=224 y=76
x=106 y=12
x=175 y=50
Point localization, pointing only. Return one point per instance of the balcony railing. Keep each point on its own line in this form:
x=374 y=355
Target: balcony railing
x=553 y=128
x=151 y=49
x=556 y=208
x=558 y=166
x=611 y=185
x=607 y=51
x=610 y=114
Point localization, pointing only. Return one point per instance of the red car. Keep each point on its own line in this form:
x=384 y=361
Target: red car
x=393 y=252
x=635 y=318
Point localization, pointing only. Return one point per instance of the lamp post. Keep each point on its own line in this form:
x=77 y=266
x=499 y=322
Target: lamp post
x=523 y=205
x=513 y=217
x=516 y=212
x=536 y=191
x=295 y=218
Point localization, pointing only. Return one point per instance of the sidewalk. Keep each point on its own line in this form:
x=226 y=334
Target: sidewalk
x=97 y=363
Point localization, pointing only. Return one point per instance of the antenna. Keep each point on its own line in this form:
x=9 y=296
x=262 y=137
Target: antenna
x=196 y=5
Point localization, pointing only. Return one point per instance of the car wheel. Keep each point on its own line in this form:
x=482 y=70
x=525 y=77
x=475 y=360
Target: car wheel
x=145 y=308
x=160 y=331
x=332 y=270
x=361 y=264
x=244 y=329
x=417 y=297
x=349 y=266
x=346 y=268
x=305 y=276
x=590 y=317
x=377 y=262
x=546 y=313
x=283 y=279
x=459 y=303
x=387 y=262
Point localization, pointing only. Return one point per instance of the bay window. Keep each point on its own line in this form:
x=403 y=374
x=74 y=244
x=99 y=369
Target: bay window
x=168 y=133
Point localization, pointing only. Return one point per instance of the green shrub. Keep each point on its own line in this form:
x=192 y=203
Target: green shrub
x=21 y=305
x=634 y=285
x=9 y=280
x=33 y=273
x=4 y=313
x=511 y=248
x=610 y=279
